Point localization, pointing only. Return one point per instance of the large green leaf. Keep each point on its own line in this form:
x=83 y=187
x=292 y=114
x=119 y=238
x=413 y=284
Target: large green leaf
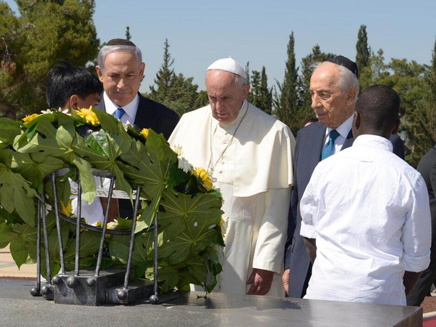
x=15 y=193
x=29 y=167
x=89 y=245
x=141 y=170
x=86 y=178
x=119 y=251
x=108 y=122
x=99 y=142
x=19 y=251
x=9 y=130
x=188 y=224
x=6 y=235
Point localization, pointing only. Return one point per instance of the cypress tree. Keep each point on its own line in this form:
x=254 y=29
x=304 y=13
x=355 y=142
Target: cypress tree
x=254 y=94
x=286 y=102
x=265 y=94
x=362 y=49
x=128 y=36
x=164 y=77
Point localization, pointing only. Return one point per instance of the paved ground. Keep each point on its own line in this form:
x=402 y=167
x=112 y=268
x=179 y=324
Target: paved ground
x=8 y=268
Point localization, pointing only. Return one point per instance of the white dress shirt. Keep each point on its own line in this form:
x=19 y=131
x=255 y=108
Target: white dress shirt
x=369 y=213
x=343 y=130
x=130 y=109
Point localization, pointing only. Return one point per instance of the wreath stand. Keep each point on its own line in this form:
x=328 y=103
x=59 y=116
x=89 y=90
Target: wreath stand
x=88 y=286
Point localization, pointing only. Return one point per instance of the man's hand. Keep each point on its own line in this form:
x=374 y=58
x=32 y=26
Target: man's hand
x=285 y=279
x=260 y=281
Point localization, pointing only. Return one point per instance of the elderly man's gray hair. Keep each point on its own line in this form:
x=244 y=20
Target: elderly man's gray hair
x=104 y=51
x=346 y=78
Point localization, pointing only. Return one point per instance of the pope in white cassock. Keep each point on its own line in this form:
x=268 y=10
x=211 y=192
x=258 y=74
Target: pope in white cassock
x=249 y=156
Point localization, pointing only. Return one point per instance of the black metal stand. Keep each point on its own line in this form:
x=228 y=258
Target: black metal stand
x=89 y=287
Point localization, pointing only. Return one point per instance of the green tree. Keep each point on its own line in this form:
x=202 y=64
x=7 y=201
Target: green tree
x=254 y=93
x=165 y=77
x=265 y=94
x=44 y=33
x=175 y=91
x=285 y=102
x=305 y=101
x=362 y=49
x=128 y=35
x=247 y=72
x=417 y=86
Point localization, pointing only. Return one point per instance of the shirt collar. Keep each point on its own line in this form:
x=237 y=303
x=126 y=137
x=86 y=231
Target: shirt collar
x=344 y=129
x=129 y=108
x=374 y=141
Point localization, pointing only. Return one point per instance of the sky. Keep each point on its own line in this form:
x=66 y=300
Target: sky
x=202 y=31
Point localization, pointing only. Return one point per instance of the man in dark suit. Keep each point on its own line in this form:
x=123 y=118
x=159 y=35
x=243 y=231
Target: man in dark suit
x=427 y=168
x=120 y=69
x=334 y=88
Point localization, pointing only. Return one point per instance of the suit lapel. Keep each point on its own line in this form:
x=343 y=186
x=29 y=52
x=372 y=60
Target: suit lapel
x=101 y=106
x=348 y=141
x=141 y=113
x=316 y=142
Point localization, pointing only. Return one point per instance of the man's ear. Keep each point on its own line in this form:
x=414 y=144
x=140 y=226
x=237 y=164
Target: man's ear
x=73 y=102
x=245 y=90
x=99 y=73
x=141 y=72
x=351 y=94
x=397 y=127
x=356 y=121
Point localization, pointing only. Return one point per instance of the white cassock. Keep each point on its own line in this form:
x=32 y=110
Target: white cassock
x=253 y=170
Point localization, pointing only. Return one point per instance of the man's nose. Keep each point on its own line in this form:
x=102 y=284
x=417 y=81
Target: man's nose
x=219 y=104
x=315 y=101
x=121 y=83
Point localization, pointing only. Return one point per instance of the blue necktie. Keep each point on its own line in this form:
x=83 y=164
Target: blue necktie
x=119 y=113
x=329 y=148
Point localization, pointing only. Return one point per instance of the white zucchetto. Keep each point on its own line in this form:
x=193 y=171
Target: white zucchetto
x=228 y=65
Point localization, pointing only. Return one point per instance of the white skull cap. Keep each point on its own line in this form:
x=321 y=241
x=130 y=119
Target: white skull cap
x=228 y=65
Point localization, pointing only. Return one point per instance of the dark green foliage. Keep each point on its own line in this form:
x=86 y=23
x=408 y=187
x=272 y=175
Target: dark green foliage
x=285 y=101
x=304 y=101
x=260 y=95
x=362 y=49
x=175 y=91
x=128 y=35
x=44 y=33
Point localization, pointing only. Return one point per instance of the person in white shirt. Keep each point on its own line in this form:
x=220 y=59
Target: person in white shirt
x=365 y=213
x=249 y=155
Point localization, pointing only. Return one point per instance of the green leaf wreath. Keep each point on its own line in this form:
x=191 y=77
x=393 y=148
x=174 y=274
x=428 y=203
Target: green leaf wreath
x=188 y=206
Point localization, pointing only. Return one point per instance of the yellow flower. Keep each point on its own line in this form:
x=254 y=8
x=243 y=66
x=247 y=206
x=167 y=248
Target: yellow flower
x=29 y=118
x=204 y=176
x=66 y=210
x=145 y=132
x=89 y=115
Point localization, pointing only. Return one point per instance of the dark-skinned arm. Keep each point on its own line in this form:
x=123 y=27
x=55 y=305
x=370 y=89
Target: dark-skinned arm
x=409 y=280
x=310 y=244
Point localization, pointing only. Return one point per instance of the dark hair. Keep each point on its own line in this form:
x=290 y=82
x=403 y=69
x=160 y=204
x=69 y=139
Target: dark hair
x=309 y=121
x=64 y=80
x=379 y=107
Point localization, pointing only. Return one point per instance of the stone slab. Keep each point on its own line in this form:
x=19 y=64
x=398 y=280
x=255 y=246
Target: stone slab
x=19 y=308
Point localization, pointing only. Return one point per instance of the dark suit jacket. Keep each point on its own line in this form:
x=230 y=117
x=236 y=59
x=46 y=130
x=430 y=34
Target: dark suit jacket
x=310 y=141
x=427 y=168
x=150 y=114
